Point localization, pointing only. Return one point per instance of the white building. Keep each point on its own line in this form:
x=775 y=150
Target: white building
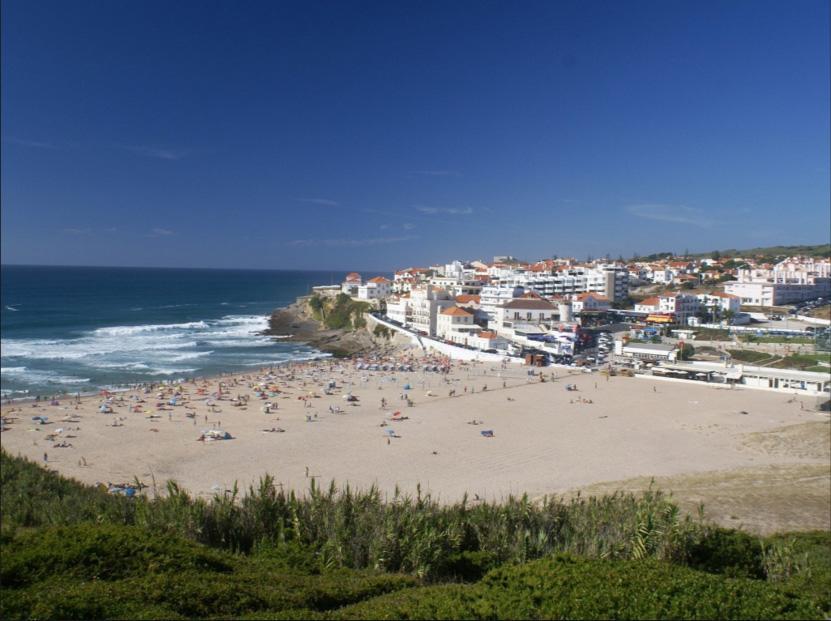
x=377 y=288
x=399 y=309
x=645 y=352
x=456 y=325
x=425 y=305
x=589 y=302
x=611 y=281
x=717 y=303
x=792 y=280
x=492 y=297
x=351 y=283
x=526 y=315
x=488 y=339
x=679 y=305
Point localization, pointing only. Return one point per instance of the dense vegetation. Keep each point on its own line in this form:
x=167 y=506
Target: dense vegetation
x=340 y=312
x=74 y=552
x=748 y=355
x=772 y=253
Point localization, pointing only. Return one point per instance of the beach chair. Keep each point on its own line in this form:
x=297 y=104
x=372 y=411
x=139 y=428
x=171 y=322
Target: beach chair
x=487 y=433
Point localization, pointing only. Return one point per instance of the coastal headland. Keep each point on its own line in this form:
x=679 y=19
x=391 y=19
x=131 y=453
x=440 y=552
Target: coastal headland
x=756 y=460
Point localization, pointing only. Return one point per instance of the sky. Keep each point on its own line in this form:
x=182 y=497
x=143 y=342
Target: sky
x=380 y=135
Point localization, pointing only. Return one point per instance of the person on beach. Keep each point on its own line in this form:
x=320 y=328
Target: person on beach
x=45 y=457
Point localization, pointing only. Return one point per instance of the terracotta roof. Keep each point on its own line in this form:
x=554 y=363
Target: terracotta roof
x=456 y=312
x=487 y=334
x=649 y=302
x=466 y=298
x=353 y=276
x=596 y=296
x=529 y=304
x=379 y=279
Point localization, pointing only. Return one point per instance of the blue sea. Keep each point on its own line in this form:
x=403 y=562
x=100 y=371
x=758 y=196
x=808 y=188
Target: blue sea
x=78 y=329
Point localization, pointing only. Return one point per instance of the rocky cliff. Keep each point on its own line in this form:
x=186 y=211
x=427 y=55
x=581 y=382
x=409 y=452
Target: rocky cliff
x=297 y=323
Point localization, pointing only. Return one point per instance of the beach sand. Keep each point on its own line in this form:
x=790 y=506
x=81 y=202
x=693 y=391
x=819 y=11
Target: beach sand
x=737 y=449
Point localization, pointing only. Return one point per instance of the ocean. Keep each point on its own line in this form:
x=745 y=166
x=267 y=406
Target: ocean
x=79 y=329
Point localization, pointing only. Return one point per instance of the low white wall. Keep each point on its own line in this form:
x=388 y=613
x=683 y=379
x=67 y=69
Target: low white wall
x=742 y=386
x=451 y=351
x=815 y=320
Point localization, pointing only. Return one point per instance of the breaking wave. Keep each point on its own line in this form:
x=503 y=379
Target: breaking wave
x=130 y=354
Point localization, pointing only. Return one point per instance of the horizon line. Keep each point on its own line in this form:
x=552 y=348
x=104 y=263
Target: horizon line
x=167 y=267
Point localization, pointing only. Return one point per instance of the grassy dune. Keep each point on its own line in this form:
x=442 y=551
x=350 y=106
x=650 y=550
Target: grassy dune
x=74 y=552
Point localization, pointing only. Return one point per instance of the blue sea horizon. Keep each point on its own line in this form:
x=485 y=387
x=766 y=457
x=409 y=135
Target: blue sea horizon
x=79 y=329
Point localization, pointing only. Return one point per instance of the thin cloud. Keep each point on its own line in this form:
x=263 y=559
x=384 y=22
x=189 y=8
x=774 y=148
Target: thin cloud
x=77 y=231
x=408 y=226
x=436 y=173
x=159 y=232
x=454 y=211
x=349 y=243
x=680 y=214
x=35 y=144
x=319 y=201
x=159 y=153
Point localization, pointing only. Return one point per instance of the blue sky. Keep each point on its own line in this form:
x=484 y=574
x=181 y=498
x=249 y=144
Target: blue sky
x=364 y=135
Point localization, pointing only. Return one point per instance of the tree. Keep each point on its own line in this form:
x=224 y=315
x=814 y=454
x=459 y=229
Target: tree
x=715 y=255
x=316 y=304
x=728 y=316
x=686 y=351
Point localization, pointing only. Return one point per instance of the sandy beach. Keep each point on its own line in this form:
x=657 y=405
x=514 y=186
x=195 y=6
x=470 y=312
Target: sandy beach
x=609 y=433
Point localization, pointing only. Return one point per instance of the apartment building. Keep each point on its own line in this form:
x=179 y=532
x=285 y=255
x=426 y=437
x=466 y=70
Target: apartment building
x=792 y=280
x=425 y=304
x=525 y=314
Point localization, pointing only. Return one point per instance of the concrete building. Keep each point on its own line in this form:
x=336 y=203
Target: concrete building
x=399 y=309
x=767 y=378
x=491 y=297
x=425 y=305
x=377 y=288
x=456 y=325
x=526 y=315
x=644 y=352
x=611 y=281
x=589 y=302
x=792 y=280
x=351 y=283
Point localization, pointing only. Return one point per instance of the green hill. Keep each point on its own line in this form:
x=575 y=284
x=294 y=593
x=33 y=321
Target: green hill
x=772 y=253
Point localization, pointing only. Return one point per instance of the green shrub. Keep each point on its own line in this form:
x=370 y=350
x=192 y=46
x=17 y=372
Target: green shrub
x=728 y=552
x=571 y=588
x=567 y=587
x=100 y=552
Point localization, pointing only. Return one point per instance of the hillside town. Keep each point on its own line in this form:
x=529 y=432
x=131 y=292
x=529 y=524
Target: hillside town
x=603 y=313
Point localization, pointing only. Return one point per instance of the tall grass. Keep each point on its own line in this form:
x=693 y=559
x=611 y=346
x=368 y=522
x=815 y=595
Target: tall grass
x=344 y=527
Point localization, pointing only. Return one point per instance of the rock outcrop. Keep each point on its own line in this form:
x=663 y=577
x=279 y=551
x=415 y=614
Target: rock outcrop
x=296 y=323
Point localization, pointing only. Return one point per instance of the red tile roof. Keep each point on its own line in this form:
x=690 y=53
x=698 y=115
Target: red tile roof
x=467 y=298
x=456 y=312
